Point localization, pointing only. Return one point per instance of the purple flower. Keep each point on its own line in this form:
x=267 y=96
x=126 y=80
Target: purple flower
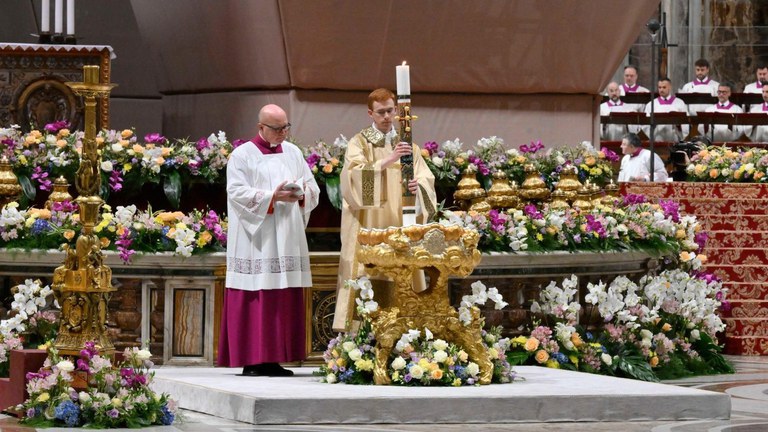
x=124 y=246
x=63 y=206
x=532 y=212
x=313 y=159
x=202 y=144
x=115 y=180
x=82 y=364
x=610 y=154
x=154 y=138
x=431 y=147
x=56 y=126
x=113 y=413
x=42 y=178
x=595 y=226
x=630 y=199
x=700 y=238
x=533 y=148
x=671 y=209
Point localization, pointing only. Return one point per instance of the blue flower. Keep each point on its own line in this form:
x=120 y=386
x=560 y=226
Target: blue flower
x=166 y=416
x=40 y=226
x=560 y=357
x=68 y=412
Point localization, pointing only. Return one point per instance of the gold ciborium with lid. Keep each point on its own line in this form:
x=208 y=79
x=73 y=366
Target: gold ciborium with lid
x=501 y=194
x=569 y=182
x=470 y=193
x=533 y=187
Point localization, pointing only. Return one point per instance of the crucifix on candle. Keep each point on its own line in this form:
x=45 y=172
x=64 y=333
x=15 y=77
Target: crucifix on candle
x=405 y=118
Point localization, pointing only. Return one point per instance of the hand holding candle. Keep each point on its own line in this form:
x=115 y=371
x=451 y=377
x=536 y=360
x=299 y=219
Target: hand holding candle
x=403 y=75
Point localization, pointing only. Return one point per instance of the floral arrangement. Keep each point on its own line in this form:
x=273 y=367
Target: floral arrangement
x=662 y=327
x=418 y=359
x=126 y=230
x=722 y=164
x=326 y=162
x=92 y=393
x=38 y=157
x=633 y=223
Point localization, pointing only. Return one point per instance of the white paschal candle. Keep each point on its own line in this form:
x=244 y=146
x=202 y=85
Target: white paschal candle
x=70 y=17
x=403 y=76
x=45 y=18
x=58 y=17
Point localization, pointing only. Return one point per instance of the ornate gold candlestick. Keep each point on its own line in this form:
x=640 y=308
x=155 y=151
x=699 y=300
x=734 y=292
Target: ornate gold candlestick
x=441 y=251
x=83 y=284
x=406 y=135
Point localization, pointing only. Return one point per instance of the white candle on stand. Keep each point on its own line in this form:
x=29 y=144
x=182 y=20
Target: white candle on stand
x=58 y=17
x=403 y=75
x=45 y=19
x=70 y=17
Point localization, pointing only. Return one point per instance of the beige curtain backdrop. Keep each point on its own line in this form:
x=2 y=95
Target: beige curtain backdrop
x=519 y=69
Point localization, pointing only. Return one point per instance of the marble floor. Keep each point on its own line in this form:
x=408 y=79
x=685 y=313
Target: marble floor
x=748 y=389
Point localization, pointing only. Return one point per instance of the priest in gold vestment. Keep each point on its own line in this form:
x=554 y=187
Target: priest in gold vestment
x=371 y=188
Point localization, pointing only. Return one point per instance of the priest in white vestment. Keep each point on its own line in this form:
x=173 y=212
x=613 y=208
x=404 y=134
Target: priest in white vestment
x=372 y=195
x=636 y=163
x=270 y=193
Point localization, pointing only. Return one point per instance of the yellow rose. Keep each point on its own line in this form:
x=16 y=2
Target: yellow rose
x=64 y=133
x=43 y=397
x=576 y=340
x=436 y=374
x=159 y=160
x=69 y=234
x=758 y=175
x=29 y=140
x=61 y=143
x=334 y=162
x=137 y=148
x=542 y=356
x=341 y=362
x=702 y=258
x=714 y=173
x=680 y=234
x=328 y=168
x=532 y=344
x=166 y=151
x=424 y=153
x=117 y=402
x=104 y=242
x=126 y=133
x=654 y=361
x=459 y=160
x=204 y=239
x=590 y=160
x=99 y=141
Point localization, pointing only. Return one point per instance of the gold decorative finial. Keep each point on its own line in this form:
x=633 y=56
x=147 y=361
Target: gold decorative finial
x=10 y=189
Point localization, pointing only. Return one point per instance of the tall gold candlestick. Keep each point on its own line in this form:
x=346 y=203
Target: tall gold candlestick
x=83 y=284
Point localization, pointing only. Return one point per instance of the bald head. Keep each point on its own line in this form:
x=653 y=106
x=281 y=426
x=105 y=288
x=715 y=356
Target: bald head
x=613 y=91
x=273 y=124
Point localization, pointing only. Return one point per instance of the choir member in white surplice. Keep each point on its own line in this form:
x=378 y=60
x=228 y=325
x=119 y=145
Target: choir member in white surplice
x=631 y=86
x=262 y=322
x=703 y=83
x=724 y=105
x=613 y=132
x=667 y=102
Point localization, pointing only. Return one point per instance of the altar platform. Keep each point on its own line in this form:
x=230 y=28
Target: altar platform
x=546 y=395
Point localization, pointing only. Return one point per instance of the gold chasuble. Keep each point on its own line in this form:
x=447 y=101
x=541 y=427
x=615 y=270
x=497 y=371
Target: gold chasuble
x=372 y=198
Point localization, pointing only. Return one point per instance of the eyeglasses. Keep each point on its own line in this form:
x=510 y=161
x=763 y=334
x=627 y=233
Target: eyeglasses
x=280 y=129
x=723 y=91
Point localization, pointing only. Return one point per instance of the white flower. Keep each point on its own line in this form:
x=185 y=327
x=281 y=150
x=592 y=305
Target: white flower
x=355 y=354
x=65 y=365
x=646 y=334
x=106 y=166
x=416 y=371
x=143 y=354
x=440 y=356
x=440 y=344
x=398 y=363
x=348 y=346
x=330 y=378
x=606 y=358
x=427 y=334
x=695 y=335
x=472 y=369
x=438 y=161
x=84 y=397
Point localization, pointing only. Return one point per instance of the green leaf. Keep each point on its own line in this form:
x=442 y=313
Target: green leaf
x=172 y=188
x=332 y=187
x=30 y=192
x=636 y=367
x=517 y=357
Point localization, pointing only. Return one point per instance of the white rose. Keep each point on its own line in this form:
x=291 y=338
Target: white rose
x=348 y=346
x=646 y=334
x=606 y=358
x=646 y=343
x=330 y=378
x=143 y=354
x=117 y=148
x=473 y=369
x=398 y=363
x=416 y=371
x=355 y=354
x=437 y=161
x=695 y=335
x=440 y=344
x=84 y=397
x=65 y=365
x=106 y=166
x=440 y=356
